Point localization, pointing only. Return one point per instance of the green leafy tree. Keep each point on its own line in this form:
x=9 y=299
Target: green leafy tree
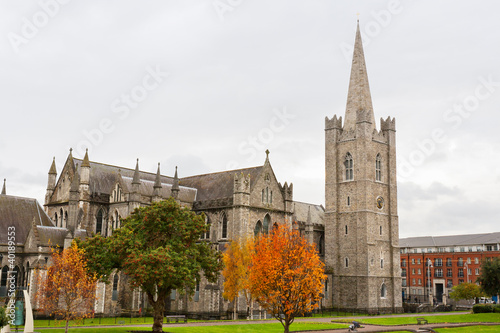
x=466 y=290
x=158 y=248
x=490 y=277
x=3 y=317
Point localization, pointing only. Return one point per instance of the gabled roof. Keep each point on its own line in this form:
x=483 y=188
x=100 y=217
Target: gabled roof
x=53 y=235
x=218 y=185
x=301 y=211
x=103 y=177
x=19 y=212
x=454 y=240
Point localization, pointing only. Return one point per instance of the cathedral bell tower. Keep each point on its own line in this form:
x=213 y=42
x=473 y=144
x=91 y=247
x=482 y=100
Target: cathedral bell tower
x=361 y=221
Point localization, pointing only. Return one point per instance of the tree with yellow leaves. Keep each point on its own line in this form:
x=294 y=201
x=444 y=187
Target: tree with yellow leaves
x=286 y=275
x=237 y=261
x=67 y=290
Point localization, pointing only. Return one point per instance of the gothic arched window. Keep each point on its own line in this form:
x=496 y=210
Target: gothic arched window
x=56 y=220
x=98 y=222
x=224 y=226
x=3 y=281
x=61 y=215
x=65 y=219
x=265 y=225
x=114 y=295
x=378 y=168
x=258 y=228
x=346 y=262
x=349 y=175
x=383 y=291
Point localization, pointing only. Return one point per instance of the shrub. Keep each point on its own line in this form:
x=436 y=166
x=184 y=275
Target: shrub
x=483 y=308
x=496 y=308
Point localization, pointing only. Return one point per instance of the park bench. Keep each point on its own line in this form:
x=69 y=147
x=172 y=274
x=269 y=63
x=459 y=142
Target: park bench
x=422 y=321
x=177 y=318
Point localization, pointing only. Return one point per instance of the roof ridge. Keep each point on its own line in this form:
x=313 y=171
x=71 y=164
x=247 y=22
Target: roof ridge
x=121 y=168
x=219 y=172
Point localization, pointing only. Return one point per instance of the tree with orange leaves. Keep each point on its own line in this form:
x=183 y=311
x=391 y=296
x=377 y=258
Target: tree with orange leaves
x=286 y=276
x=67 y=290
x=237 y=261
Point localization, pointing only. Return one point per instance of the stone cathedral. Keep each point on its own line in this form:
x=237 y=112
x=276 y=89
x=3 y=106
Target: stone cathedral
x=356 y=233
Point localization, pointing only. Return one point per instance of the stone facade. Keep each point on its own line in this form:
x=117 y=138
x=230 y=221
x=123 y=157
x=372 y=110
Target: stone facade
x=361 y=222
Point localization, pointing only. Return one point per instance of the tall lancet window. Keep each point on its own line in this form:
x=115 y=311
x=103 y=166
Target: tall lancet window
x=378 y=168
x=349 y=175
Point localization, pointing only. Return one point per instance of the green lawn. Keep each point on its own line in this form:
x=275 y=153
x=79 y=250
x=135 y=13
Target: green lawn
x=94 y=321
x=466 y=318
x=270 y=328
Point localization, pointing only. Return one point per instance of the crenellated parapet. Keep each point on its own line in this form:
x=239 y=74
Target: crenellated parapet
x=287 y=191
x=347 y=135
x=334 y=123
x=388 y=125
x=379 y=136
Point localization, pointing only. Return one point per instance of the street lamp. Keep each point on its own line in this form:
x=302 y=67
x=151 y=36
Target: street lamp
x=466 y=272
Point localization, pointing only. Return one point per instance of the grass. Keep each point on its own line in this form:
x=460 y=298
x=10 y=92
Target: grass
x=464 y=318
x=94 y=321
x=268 y=328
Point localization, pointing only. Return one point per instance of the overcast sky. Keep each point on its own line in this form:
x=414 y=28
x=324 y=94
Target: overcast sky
x=210 y=85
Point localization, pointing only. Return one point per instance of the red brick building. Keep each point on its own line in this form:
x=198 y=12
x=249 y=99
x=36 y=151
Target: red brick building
x=433 y=265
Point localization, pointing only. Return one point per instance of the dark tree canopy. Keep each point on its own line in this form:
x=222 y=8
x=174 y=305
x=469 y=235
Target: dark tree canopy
x=158 y=248
x=490 y=277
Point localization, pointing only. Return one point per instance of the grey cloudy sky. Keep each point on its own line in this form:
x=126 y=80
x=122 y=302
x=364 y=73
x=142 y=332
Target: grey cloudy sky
x=208 y=85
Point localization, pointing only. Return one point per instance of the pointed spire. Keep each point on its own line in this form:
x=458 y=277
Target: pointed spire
x=4 y=192
x=157 y=179
x=359 y=102
x=86 y=162
x=175 y=185
x=53 y=170
x=309 y=219
x=136 y=179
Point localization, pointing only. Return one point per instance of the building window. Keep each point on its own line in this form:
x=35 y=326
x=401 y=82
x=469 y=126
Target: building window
x=3 y=281
x=56 y=220
x=403 y=263
x=438 y=272
x=413 y=271
x=403 y=272
x=349 y=175
x=413 y=261
x=378 y=168
x=346 y=262
x=460 y=262
x=266 y=224
x=419 y=271
x=61 y=218
x=98 y=222
x=348 y=201
x=383 y=291
x=263 y=195
x=469 y=271
x=448 y=262
x=172 y=294
x=326 y=289
x=449 y=283
x=404 y=282
x=418 y=261
x=449 y=272
x=258 y=228
x=346 y=229
x=197 y=292
x=461 y=272
x=438 y=262
x=114 y=296
x=206 y=234
x=477 y=271
x=413 y=281
x=476 y=260
x=451 y=249
x=419 y=282
x=65 y=219
x=224 y=226
x=380 y=230
x=468 y=261
x=381 y=263
x=321 y=245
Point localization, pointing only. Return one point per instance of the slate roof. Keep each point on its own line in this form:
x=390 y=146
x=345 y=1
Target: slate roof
x=20 y=212
x=103 y=177
x=301 y=210
x=52 y=235
x=447 y=241
x=218 y=185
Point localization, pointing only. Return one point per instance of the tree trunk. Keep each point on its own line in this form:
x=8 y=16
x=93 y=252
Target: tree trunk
x=286 y=326
x=158 y=310
x=235 y=310
x=67 y=324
